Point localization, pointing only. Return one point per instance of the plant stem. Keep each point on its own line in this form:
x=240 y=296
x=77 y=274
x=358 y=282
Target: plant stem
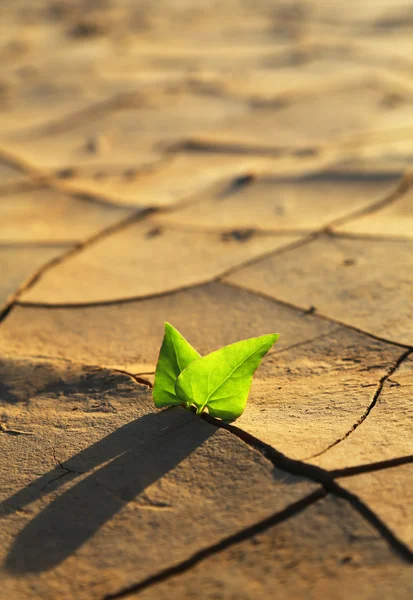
x=201 y=409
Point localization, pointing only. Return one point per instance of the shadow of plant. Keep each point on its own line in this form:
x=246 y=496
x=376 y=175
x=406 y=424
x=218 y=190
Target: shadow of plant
x=137 y=455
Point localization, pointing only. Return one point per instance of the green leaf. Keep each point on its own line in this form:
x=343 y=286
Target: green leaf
x=221 y=380
x=175 y=355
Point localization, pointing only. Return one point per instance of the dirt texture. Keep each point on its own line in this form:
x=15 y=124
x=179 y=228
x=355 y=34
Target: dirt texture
x=234 y=168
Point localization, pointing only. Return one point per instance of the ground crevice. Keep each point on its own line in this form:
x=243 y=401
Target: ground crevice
x=291 y=466
x=318 y=475
x=74 y=119
x=201 y=555
x=313 y=310
x=129 y=220
x=34 y=277
x=369 y=408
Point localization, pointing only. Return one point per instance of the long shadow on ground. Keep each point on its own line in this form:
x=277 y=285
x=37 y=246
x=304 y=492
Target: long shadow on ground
x=139 y=454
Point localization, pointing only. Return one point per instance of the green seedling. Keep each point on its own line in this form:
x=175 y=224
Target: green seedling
x=219 y=382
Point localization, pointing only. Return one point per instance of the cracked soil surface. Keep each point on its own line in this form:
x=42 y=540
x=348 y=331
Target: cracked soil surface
x=235 y=168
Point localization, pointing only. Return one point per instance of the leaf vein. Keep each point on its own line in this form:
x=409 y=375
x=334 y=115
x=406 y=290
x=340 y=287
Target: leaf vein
x=233 y=370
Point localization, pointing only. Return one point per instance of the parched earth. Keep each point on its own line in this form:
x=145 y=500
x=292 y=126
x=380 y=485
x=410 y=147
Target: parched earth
x=235 y=168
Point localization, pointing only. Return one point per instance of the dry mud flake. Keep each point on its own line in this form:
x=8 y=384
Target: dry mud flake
x=145 y=259
x=99 y=491
x=54 y=80
x=306 y=398
x=130 y=334
x=327 y=550
x=18 y=264
x=53 y=86
x=274 y=80
x=386 y=434
x=136 y=131
x=388 y=493
x=395 y=220
x=35 y=103
x=19 y=119
x=287 y=203
x=311 y=120
x=171 y=179
x=363 y=283
x=43 y=215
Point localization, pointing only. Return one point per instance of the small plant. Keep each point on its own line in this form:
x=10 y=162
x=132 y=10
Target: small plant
x=219 y=382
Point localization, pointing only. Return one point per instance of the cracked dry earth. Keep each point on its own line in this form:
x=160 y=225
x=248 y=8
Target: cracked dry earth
x=235 y=168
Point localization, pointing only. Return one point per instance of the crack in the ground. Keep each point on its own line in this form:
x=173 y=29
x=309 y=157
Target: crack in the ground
x=59 y=476
x=43 y=244
x=143 y=373
x=218 y=89
x=277 y=458
x=88 y=195
x=402 y=188
x=369 y=408
x=367 y=237
x=142 y=380
x=304 y=311
x=220 y=230
x=93 y=112
x=251 y=261
x=291 y=466
x=65 y=471
x=78 y=305
x=59 y=463
x=21 y=165
x=403 y=185
x=162 y=294
x=134 y=376
x=318 y=475
x=50 y=180
x=305 y=342
x=34 y=277
x=137 y=98
x=339 y=148
x=298 y=467
x=280 y=461
x=223 y=544
x=220 y=147
x=39 y=177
